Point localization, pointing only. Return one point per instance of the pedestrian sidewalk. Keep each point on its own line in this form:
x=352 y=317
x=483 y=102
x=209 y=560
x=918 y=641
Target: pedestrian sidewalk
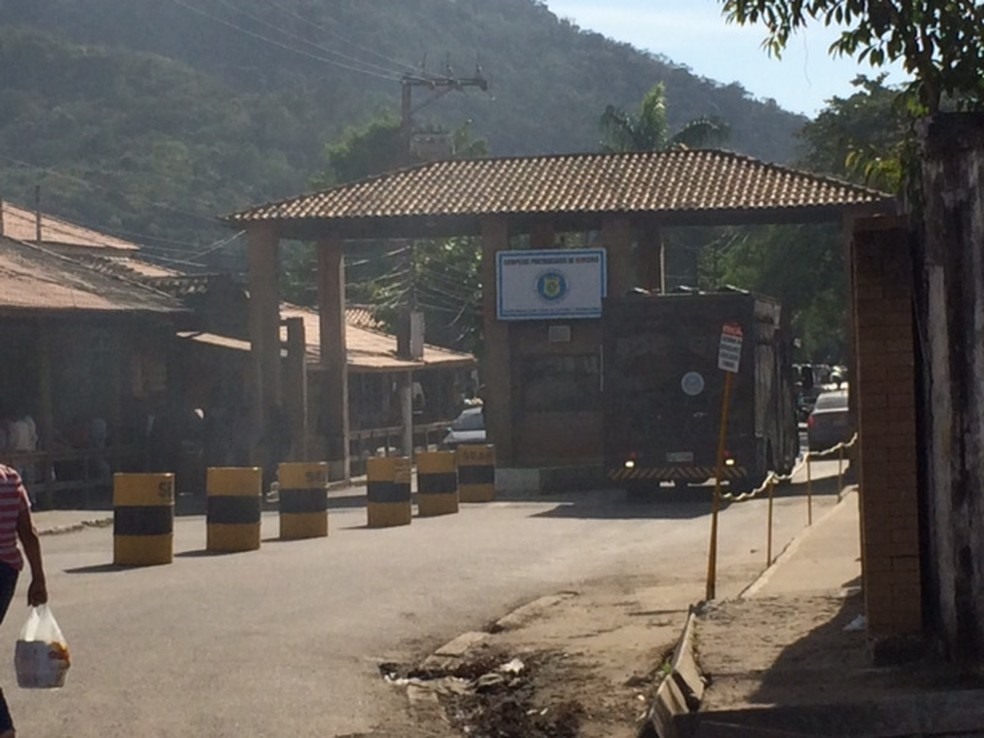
x=784 y=639
x=790 y=655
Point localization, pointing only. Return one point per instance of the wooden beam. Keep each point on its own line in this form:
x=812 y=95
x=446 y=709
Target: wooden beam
x=616 y=237
x=296 y=388
x=334 y=410
x=496 y=366
x=262 y=241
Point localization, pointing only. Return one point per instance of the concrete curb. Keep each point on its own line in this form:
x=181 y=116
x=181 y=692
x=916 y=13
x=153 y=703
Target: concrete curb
x=681 y=691
x=531 y=610
x=58 y=530
x=752 y=589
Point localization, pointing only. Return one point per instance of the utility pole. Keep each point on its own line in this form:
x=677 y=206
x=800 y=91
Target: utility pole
x=410 y=333
x=439 y=86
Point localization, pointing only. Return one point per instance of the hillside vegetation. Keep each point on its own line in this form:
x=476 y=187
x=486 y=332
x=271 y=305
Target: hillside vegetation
x=151 y=117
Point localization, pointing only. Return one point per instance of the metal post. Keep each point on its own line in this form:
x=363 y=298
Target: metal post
x=768 y=554
x=840 y=469
x=716 y=505
x=809 y=491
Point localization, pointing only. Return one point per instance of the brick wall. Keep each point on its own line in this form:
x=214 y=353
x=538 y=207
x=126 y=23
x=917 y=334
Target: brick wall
x=885 y=356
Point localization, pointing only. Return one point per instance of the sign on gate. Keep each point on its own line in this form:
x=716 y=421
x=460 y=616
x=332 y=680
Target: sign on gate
x=729 y=351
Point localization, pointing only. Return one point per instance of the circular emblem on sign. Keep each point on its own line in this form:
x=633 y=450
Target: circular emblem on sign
x=692 y=383
x=551 y=286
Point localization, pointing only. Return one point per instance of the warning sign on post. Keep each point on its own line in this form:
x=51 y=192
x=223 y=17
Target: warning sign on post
x=729 y=352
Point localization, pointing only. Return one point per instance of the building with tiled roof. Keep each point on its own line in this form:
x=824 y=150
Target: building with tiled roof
x=670 y=187
x=58 y=234
x=619 y=202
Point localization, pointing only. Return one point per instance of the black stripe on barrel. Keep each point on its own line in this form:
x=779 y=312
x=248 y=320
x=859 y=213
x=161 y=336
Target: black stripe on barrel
x=234 y=510
x=303 y=500
x=140 y=520
x=437 y=484
x=388 y=491
x=476 y=475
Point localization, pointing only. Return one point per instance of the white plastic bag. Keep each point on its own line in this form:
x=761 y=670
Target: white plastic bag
x=41 y=657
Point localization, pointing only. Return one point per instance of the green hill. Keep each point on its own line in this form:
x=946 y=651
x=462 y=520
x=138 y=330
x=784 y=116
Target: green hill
x=166 y=113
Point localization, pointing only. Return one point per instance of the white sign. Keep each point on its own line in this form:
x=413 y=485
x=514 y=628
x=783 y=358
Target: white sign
x=550 y=284
x=692 y=383
x=729 y=352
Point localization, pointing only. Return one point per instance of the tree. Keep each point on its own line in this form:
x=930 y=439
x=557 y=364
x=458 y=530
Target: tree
x=861 y=138
x=940 y=43
x=648 y=130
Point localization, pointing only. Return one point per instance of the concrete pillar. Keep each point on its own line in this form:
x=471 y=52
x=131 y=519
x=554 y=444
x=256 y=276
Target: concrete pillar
x=406 y=412
x=334 y=410
x=616 y=237
x=262 y=241
x=652 y=261
x=496 y=360
x=296 y=388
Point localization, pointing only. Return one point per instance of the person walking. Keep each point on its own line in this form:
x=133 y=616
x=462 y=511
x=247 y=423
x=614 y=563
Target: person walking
x=16 y=524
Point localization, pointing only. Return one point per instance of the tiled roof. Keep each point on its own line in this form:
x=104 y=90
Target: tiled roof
x=34 y=279
x=678 y=181
x=368 y=349
x=126 y=266
x=21 y=224
x=362 y=316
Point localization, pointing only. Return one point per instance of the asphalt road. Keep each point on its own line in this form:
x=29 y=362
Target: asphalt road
x=286 y=641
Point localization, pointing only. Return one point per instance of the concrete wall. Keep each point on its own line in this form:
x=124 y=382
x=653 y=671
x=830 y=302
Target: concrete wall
x=948 y=225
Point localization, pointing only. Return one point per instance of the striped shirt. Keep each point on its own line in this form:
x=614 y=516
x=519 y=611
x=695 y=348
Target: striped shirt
x=13 y=499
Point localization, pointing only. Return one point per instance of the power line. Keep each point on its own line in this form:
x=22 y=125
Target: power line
x=278 y=44
x=319 y=47
x=337 y=35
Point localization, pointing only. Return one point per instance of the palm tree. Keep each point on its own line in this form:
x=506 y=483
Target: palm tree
x=648 y=130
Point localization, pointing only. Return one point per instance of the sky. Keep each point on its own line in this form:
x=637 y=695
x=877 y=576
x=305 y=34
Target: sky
x=694 y=33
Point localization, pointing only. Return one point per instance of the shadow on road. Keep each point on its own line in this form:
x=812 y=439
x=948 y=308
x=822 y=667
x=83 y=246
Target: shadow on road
x=108 y=568
x=615 y=504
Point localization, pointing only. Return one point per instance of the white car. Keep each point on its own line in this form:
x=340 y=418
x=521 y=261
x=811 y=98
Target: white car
x=468 y=427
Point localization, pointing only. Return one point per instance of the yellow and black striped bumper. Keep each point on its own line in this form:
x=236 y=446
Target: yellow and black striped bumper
x=669 y=473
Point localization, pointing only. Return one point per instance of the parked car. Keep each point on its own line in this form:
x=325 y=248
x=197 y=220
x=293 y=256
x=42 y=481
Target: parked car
x=829 y=422
x=468 y=427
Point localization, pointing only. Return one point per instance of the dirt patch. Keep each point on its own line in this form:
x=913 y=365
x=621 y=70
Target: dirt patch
x=586 y=666
x=507 y=705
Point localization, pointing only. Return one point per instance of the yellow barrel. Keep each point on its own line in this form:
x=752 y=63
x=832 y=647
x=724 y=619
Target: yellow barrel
x=303 y=500
x=388 y=491
x=233 y=514
x=437 y=484
x=476 y=472
x=143 y=519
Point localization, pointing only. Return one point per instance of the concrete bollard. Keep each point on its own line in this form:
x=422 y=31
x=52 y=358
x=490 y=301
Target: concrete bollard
x=303 y=500
x=388 y=491
x=476 y=472
x=143 y=519
x=437 y=484
x=233 y=514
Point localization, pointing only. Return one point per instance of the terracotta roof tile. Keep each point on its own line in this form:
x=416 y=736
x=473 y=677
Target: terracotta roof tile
x=368 y=349
x=21 y=224
x=676 y=181
x=37 y=280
